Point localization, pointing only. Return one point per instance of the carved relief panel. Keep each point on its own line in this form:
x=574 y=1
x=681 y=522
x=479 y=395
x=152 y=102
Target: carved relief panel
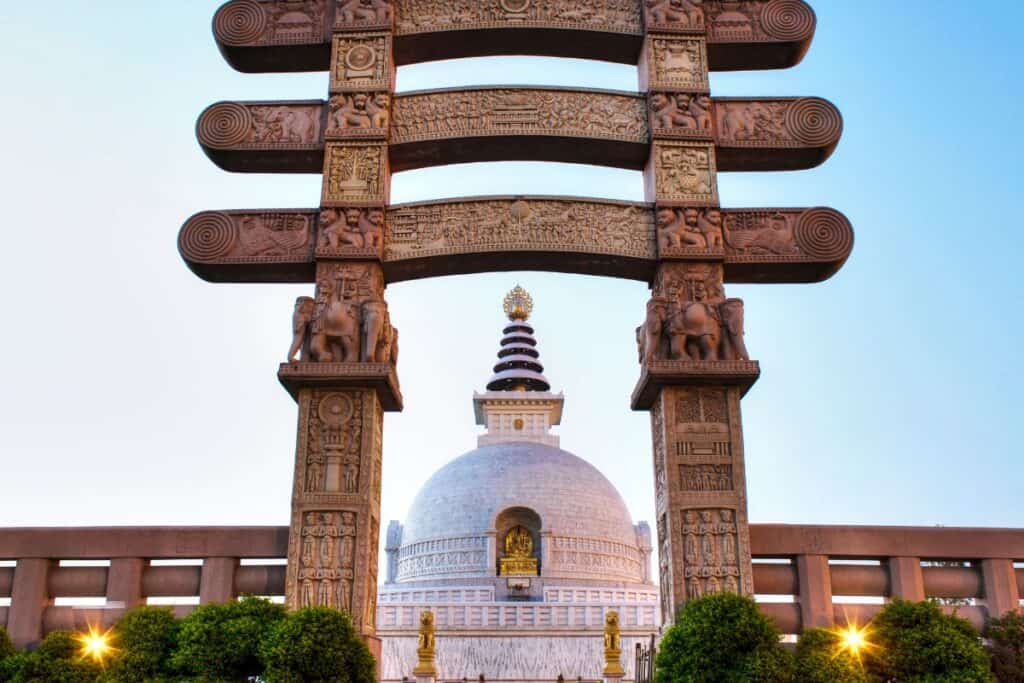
x=779 y=123
x=355 y=174
x=335 y=444
x=684 y=16
x=351 y=233
x=681 y=173
x=519 y=225
x=358 y=115
x=427 y=16
x=711 y=552
x=742 y=21
x=518 y=111
x=237 y=237
x=287 y=22
x=327 y=558
x=681 y=115
x=363 y=14
x=258 y=126
x=675 y=63
x=362 y=61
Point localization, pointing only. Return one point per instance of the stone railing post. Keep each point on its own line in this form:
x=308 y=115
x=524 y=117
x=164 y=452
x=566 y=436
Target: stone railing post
x=124 y=582
x=29 y=599
x=217 y=580
x=906 y=580
x=1001 y=591
x=816 y=610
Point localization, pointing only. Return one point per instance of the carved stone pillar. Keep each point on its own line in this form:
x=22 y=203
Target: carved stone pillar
x=694 y=374
x=344 y=381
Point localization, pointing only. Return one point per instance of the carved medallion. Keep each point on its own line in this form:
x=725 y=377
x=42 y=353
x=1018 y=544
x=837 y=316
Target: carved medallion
x=362 y=62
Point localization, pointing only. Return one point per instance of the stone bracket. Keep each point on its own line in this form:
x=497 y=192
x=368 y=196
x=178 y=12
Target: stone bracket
x=380 y=377
x=660 y=374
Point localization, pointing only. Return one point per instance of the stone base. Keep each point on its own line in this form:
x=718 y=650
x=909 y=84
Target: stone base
x=381 y=377
x=662 y=373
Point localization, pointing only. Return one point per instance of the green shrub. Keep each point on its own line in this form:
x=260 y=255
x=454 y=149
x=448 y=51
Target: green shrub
x=916 y=641
x=9 y=657
x=821 y=659
x=57 y=659
x=6 y=646
x=317 y=645
x=1007 y=637
x=722 y=639
x=145 y=638
x=222 y=642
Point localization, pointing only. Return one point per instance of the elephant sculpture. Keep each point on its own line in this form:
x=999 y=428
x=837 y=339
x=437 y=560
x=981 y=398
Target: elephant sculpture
x=302 y=319
x=375 y=332
x=649 y=335
x=733 y=345
x=335 y=335
x=694 y=331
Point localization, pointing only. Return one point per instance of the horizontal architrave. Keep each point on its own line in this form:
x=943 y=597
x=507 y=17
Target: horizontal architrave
x=495 y=234
x=253 y=38
x=513 y=123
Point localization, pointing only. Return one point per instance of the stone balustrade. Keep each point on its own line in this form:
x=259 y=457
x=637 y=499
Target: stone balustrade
x=806 y=576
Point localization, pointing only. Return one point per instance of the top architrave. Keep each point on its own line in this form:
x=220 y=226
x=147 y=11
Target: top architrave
x=264 y=36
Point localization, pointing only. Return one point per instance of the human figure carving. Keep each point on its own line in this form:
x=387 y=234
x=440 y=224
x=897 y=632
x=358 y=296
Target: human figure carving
x=734 y=346
x=337 y=231
x=301 y=320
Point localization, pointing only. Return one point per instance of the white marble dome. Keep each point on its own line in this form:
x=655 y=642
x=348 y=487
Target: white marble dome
x=585 y=527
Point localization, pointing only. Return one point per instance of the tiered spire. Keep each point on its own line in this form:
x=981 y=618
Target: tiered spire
x=518 y=368
x=518 y=405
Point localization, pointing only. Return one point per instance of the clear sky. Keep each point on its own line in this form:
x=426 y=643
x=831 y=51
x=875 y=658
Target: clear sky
x=134 y=393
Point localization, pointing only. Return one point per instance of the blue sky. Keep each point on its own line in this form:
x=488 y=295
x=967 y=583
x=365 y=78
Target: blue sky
x=134 y=393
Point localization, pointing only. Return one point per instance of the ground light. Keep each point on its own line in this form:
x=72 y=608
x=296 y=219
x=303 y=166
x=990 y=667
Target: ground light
x=95 y=645
x=854 y=639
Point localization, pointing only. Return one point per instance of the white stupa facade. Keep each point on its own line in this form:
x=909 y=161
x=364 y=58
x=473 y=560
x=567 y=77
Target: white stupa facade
x=518 y=547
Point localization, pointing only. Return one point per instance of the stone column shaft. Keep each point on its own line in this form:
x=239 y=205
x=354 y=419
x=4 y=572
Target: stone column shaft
x=1001 y=592
x=335 y=528
x=816 y=609
x=217 y=580
x=29 y=599
x=124 y=581
x=906 y=580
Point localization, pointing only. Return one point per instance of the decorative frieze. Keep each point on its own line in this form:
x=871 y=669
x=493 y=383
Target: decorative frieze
x=428 y=16
x=355 y=175
x=682 y=173
x=361 y=62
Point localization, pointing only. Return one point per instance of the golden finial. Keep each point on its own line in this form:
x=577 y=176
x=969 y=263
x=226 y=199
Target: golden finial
x=518 y=304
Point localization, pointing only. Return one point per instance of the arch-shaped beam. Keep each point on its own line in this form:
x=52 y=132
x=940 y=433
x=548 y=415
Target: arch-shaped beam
x=493 y=234
x=284 y=36
x=601 y=127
